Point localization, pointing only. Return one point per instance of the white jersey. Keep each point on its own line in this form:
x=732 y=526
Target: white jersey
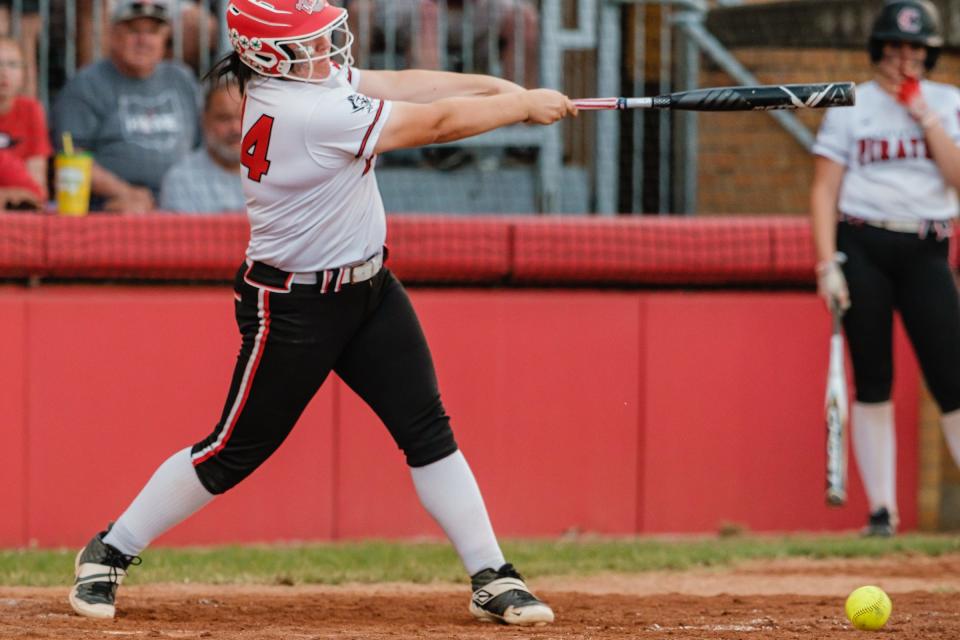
x=308 y=178
x=890 y=173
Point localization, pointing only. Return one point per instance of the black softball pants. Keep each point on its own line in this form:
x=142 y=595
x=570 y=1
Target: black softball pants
x=368 y=333
x=889 y=270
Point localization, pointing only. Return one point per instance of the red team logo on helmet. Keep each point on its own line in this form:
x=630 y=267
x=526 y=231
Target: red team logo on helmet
x=271 y=37
x=909 y=20
x=309 y=7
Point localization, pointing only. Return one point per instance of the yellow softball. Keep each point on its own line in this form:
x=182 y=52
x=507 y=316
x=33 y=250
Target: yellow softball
x=868 y=608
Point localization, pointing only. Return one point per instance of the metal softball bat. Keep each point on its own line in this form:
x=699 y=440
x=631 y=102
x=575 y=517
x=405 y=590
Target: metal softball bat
x=836 y=416
x=747 y=98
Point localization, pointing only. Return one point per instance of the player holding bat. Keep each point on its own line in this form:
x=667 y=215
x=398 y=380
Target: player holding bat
x=883 y=196
x=314 y=294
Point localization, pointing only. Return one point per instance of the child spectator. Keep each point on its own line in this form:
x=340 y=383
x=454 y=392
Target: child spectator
x=23 y=126
x=27 y=36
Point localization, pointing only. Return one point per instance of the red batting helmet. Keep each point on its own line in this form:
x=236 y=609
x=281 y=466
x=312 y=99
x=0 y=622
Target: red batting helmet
x=271 y=36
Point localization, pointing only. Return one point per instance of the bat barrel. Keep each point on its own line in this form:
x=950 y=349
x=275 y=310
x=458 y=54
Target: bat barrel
x=762 y=98
x=759 y=98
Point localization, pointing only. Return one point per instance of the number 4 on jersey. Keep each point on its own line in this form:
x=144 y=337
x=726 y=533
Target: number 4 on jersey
x=255 y=146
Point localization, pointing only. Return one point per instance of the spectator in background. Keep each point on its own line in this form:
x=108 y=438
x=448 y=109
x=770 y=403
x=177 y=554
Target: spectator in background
x=136 y=113
x=208 y=180
x=418 y=23
x=23 y=125
x=27 y=37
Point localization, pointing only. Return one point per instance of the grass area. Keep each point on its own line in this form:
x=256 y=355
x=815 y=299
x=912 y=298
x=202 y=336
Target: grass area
x=429 y=562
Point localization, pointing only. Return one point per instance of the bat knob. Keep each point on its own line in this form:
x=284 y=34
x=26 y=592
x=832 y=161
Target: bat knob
x=836 y=499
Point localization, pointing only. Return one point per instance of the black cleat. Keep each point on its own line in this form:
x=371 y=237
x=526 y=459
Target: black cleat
x=100 y=569
x=879 y=525
x=502 y=596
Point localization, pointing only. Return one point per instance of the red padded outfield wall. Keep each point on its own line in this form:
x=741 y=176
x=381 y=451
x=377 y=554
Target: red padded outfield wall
x=615 y=412
x=600 y=410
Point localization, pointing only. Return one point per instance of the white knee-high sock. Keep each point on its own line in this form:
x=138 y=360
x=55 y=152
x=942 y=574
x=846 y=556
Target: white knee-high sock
x=449 y=492
x=951 y=432
x=875 y=448
x=172 y=495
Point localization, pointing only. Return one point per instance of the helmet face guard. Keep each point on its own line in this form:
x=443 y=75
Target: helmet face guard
x=913 y=21
x=277 y=39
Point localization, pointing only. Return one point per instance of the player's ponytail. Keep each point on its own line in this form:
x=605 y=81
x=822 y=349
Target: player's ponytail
x=229 y=67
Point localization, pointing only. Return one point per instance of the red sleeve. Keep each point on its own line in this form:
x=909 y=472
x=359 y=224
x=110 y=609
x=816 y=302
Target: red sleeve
x=39 y=137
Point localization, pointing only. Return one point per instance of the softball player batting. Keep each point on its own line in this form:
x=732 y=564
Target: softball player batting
x=883 y=195
x=314 y=296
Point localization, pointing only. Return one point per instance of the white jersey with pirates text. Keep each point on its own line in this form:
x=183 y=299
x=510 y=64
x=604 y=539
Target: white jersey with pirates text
x=890 y=173
x=308 y=178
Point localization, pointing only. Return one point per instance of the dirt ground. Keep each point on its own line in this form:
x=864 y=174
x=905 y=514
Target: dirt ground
x=794 y=598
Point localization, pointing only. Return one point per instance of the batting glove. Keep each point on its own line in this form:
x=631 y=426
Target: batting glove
x=831 y=283
x=910 y=96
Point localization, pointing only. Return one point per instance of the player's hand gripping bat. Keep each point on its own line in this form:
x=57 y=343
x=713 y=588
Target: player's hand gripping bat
x=836 y=415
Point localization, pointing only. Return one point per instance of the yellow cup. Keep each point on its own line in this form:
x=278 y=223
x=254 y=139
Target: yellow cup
x=73 y=174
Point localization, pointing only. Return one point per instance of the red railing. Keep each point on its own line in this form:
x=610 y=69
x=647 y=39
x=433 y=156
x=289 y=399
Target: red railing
x=442 y=249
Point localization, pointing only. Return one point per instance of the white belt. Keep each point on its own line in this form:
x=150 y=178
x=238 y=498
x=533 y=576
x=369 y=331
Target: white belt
x=919 y=227
x=345 y=275
x=903 y=226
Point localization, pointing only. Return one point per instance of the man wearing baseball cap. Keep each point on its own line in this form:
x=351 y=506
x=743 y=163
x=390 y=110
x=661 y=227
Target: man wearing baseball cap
x=136 y=113
x=132 y=9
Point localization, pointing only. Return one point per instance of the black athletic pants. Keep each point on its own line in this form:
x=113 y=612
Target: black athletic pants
x=368 y=333
x=889 y=270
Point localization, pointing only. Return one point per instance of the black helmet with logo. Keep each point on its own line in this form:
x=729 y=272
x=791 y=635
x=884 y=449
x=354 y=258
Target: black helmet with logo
x=916 y=21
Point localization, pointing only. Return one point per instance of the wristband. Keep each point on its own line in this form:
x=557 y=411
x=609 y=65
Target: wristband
x=836 y=259
x=928 y=119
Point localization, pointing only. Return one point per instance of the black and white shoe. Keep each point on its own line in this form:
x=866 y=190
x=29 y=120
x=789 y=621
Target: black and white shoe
x=880 y=525
x=502 y=596
x=100 y=569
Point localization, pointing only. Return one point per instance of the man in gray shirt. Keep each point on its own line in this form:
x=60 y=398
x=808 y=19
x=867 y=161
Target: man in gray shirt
x=136 y=113
x=208 y=180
